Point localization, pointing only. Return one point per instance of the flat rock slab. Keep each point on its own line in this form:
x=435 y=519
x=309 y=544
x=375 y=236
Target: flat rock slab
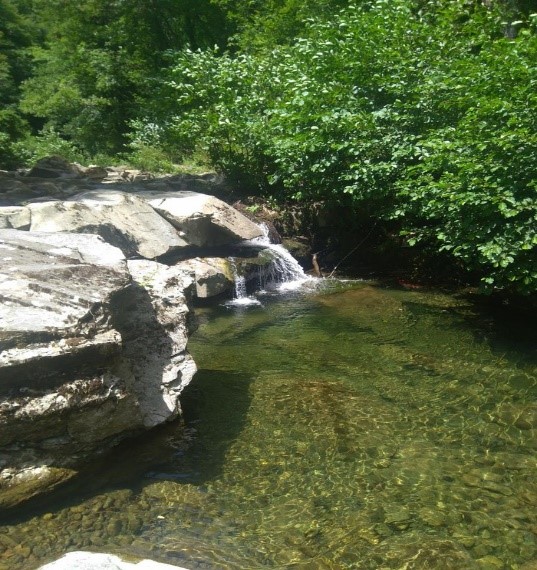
x=95 y=561
x=50 y=282
x=203 y=220
x=121 y=219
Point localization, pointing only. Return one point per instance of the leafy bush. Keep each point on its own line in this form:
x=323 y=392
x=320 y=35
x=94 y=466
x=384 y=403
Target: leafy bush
x=418 y=111
x=47 y=143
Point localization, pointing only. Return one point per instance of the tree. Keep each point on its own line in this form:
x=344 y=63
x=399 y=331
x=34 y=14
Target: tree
x=15 y=67
x=420 y=114
x=100 y=59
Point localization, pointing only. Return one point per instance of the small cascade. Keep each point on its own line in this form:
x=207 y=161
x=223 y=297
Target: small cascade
x=241 y=295
x=240 y=282
x=283 y=273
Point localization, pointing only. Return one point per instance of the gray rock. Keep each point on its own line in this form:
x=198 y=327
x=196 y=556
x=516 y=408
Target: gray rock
x=15 y=217
x=203 y=220
x=123 y=220
x=54 y=167
x=87 y=356
x=213 y=275
x=153 y=320
x=95 y=561
x=51 y=283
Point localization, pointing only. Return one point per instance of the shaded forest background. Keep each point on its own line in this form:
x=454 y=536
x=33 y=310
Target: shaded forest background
x=415 y=116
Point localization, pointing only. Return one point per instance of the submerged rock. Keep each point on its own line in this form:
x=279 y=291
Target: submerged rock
x=521 y=416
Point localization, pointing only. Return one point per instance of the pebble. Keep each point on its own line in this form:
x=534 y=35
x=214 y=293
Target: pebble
x=433 y=518
x=114 y=527
x=490 y=563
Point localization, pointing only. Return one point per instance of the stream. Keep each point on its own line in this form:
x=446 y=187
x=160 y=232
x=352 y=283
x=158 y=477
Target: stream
x=341 y=425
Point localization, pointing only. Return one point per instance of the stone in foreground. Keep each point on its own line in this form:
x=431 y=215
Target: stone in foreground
x=94 y=561
x=87 y=355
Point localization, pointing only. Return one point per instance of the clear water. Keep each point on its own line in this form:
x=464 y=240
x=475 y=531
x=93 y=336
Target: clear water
x=352 y=427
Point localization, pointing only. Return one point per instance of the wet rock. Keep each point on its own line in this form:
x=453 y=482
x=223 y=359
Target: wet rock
x=490 y=563
x=114 y=527
x=487 y=480
x=398 y=517
x=439 y=554
x=522 y=416
x=432 y=517
x=213 y=275
x=17 y=486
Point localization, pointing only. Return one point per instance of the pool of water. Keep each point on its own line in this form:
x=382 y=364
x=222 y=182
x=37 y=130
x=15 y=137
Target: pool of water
x=351 y=426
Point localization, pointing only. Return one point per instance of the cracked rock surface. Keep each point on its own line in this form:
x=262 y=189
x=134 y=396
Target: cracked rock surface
x=92 y=349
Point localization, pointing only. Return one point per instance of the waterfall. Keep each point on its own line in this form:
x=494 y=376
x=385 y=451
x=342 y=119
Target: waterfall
x=241 y=295
x=281 y=273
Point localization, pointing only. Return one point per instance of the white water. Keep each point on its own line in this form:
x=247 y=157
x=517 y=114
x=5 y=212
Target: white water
x=241 y=296
x=283 y=273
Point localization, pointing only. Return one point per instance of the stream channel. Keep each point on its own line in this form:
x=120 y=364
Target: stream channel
x=346 y=425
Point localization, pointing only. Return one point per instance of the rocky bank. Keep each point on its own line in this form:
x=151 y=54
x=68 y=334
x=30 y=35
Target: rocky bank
x=98 y=270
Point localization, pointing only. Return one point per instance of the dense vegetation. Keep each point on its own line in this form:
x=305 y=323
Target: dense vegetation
x=422 y=113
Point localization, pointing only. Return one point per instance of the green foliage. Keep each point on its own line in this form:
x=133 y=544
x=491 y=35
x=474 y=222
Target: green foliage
x=414 y=112
x=263 y=24
x=473 y=188
x=15 y=37
x=418 y=111
x=48 y=142
x=95 y=71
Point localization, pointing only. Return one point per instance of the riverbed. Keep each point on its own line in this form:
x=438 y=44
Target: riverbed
x=343 y=425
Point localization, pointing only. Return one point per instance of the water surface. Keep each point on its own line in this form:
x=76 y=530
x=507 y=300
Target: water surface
x=355 y=426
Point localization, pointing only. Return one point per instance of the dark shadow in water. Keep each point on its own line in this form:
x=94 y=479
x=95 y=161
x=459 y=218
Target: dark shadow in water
x=215 y=409
x=509 y=327
x=510 y=333
x=190 y=450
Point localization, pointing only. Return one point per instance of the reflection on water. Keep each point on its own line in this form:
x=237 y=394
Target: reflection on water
x=357 y=427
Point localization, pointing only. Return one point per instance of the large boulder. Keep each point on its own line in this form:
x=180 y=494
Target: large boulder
x=203 y=220
x=55 y=167
x=122 y=219
x=87 y=355
x=153 y=318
